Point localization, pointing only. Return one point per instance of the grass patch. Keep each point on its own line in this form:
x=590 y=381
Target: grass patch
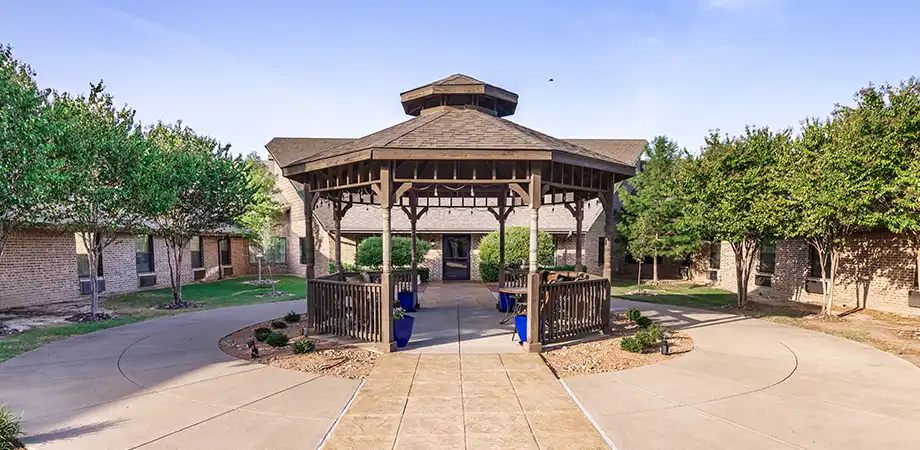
x=136 y=307
x=218 y=294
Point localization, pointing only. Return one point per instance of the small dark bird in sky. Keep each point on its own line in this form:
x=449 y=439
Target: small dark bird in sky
x=550 y=80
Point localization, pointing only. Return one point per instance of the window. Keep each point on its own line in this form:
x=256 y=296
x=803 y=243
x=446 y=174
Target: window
x=224 y=245
x=815 y=263
x=600 y=251
x=767 y=258
x=276 y=253
x=715 y=255
x=303 y=250
x=197 y=255
x=143 y=253
x=83 y=258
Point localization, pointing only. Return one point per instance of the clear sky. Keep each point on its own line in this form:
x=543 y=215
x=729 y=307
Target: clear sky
x=246 y=71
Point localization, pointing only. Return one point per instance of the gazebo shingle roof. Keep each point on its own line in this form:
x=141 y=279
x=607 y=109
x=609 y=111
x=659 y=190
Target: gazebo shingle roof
x=285 y=150
x=469 y=128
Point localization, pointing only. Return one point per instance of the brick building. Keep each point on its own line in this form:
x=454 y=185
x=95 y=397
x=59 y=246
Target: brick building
x=44 y=265
x=877 y=271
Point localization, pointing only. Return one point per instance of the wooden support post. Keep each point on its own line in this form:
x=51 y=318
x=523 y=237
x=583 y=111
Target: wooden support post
x=337 y=218
x=579 y=222
x=609 y=228
x=309 y=246
x=533 y=343
x=502 y=198
x=413 y=219
x=387 y=342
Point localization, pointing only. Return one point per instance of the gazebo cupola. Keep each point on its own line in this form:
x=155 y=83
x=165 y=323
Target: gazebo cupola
x=459 y=91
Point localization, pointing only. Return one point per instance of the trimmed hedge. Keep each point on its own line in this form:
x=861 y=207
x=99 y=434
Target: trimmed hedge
x=517 y=250
x=370 y=251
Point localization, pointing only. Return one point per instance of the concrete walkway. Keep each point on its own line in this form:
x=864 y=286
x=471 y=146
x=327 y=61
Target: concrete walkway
x=463 y=401
x=166 y=384
x=756 y=385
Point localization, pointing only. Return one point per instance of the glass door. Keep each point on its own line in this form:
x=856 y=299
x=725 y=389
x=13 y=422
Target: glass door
x=456 y=265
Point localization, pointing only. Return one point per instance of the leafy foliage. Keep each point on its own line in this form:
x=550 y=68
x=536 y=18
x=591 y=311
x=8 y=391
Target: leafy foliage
x=261 y=333
x=10 y=431
x=643 y=321
x=631 y=344
x=656 y=331
x=261 y=216
x=198 y=187
x=370 y=252
x=292 y=317
x=517 y=250
x=654 y=220
x=303 y=346
x=28 y=167
x=279 y=324
x=633 y=314
x=276 y=339
x=399 y=313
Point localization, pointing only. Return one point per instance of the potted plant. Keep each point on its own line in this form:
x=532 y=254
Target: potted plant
x=402 y=326
x=406 y=300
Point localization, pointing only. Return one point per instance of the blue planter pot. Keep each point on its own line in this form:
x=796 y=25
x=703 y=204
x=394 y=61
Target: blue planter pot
x=505 y=302
x=402 y=330
x=406 y=301
x=520 y=324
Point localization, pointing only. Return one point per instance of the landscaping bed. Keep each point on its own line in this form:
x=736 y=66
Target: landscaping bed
x=607 y=355
x=326 y=358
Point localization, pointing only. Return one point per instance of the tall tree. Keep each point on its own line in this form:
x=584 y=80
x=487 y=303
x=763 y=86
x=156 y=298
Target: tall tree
x=104 y=154
x=260 y=220
x=653 y=219
x=888 y=126
x=197 y=187
x=833 y=188
x=27 y=166
x=740 y=199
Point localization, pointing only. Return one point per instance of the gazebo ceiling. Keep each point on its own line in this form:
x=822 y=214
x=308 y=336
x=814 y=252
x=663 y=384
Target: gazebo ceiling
x=458 y=127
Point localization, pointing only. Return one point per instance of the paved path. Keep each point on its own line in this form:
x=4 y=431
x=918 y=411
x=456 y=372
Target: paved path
x=756 y=385
x=463 y=401
x=166 y=384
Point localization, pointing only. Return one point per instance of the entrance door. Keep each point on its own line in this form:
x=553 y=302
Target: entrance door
x=456 y=265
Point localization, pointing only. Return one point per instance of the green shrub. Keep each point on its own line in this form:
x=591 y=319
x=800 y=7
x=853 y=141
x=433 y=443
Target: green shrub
x=424 y=273
x=278 y=324
x=488 y=271
x=633 y=314
x=276 y=339
x=630 y=344
x=517 y=249
x=303 y=346
x=346 y=267
x=399 y=313
x=261 y=333
x=292 y=317
x=10 y=431
x=370 y=252
x=656 y=331
x=643 y=321
x=643 y=338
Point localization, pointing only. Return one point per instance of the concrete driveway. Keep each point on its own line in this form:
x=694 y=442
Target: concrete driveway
x=756 y=385
x=166 y=384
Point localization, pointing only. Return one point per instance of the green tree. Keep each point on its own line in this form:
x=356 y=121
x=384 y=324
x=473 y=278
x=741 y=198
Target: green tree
x=370 y=252
x=739 y=197
x=27 y=166
x=197 y=187
x=261 y=217
x=104 y=157
x=653 y=219
x=517 y=250
x=888 y=121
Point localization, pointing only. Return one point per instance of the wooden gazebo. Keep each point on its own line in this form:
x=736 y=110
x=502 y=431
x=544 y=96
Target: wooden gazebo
x=457 y=152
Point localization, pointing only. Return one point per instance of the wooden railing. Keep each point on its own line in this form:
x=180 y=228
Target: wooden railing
x=515 y=278
x=345 y=309
x=570 y=309
x=402 y=279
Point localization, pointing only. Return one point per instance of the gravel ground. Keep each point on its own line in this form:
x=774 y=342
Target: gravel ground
x=329 y=358
x=605 y=355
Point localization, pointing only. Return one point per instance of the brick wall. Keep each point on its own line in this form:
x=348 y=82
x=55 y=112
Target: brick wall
x=876 y=272
x=38 y=267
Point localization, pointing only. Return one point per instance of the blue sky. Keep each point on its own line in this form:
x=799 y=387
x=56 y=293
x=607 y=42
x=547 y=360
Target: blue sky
x=244 y=72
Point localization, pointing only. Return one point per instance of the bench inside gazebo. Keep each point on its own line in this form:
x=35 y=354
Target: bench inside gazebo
x=457 y=152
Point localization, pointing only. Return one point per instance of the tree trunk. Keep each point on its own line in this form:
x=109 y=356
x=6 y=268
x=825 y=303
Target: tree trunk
x=174 y=248
x=260 y=269
x=639 y=276
x=822 y=262
x=178 y=288
x=93 y=254
x=738 y=250
x=835 y=258
x=655 y=269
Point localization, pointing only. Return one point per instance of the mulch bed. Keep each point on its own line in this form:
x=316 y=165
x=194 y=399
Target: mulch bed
x=605 y=355
x=329 y=358
x=88 y=317
x=180 y=305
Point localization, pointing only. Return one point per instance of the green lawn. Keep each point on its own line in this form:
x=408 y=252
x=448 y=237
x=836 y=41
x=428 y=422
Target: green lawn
x=679 y=294
x=138 y=306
